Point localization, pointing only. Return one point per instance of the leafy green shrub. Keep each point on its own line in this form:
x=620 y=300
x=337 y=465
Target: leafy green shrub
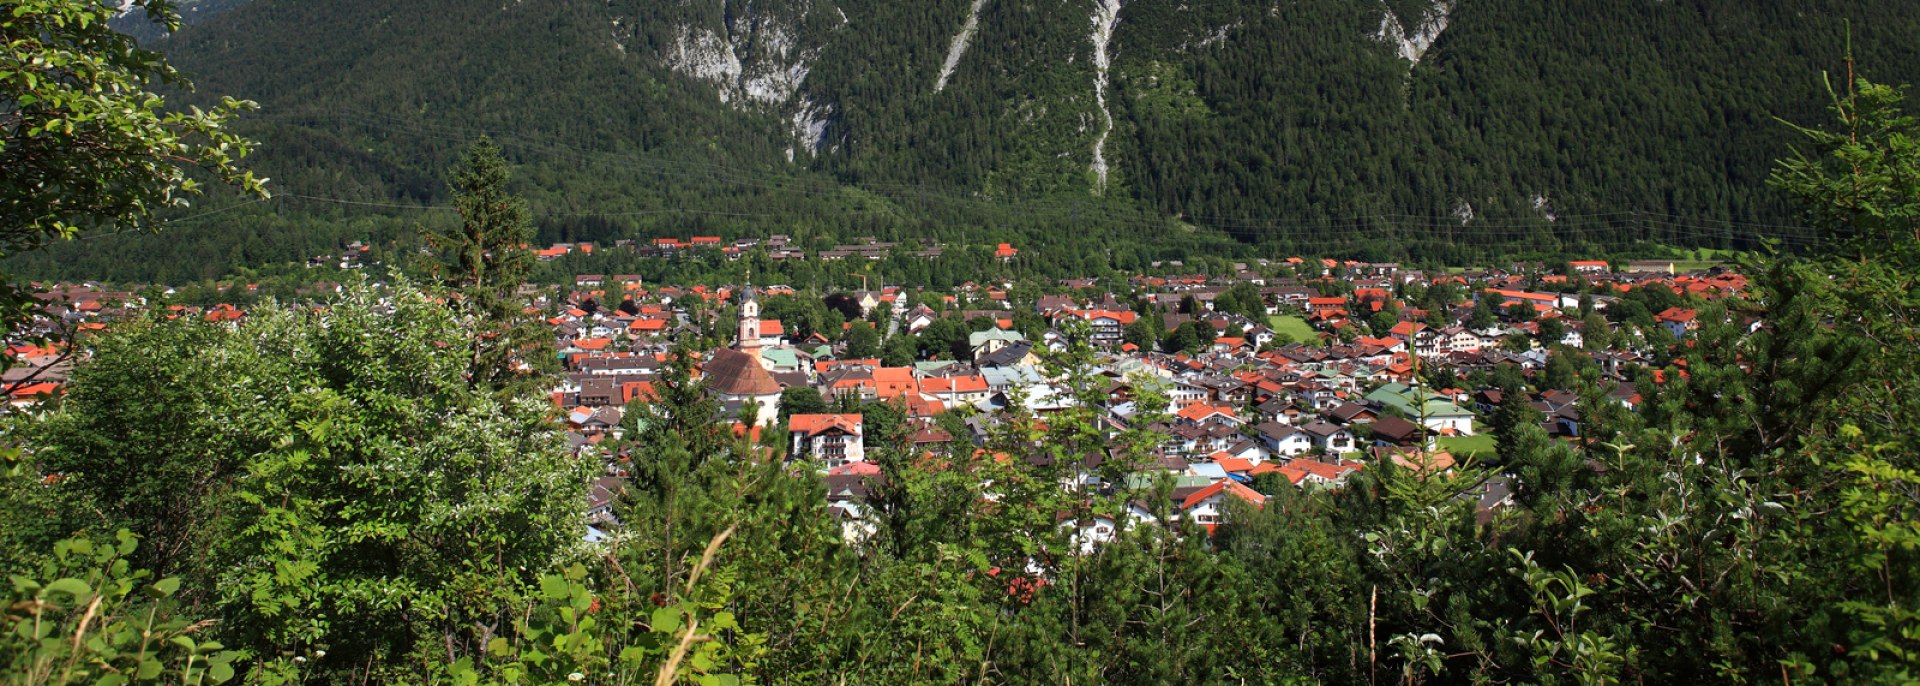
x=87 y=617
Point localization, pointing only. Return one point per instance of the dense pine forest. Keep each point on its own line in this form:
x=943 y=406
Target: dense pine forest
x=1301 y=126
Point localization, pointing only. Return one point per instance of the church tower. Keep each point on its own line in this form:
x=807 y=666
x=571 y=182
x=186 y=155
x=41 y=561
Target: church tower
x=737 y=374
x=749 y=341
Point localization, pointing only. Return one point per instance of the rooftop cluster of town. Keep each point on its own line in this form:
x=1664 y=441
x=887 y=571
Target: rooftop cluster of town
x=1329 y=371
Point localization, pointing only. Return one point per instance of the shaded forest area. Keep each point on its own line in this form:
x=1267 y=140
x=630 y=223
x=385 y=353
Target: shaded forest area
x=1579 y=127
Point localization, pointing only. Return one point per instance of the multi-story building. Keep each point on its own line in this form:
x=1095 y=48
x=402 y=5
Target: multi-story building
x=832 y=439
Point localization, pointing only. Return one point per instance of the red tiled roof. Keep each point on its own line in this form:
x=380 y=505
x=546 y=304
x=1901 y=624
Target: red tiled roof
x=922 y=406
x=1298 y=470
x=1525 y=296
x=1122 y=316
x=1235 y=465
x=893 y=382
x=642 y=391
x=732 y=372
x=954 y=384
x=37 y=389
x=814 y=424
x=1676 y=315
x=855 y=469
x=1202 y=411
x=1425 y=463
x=1227 y=486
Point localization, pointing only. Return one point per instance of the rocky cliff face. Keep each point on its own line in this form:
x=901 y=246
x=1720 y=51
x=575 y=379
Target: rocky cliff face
x=1025 y=73
x=756 y=55
x=1412 y=41
x=192 y=12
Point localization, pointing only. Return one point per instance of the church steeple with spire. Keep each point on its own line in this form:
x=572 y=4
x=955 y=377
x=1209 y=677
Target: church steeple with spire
x=749 y=340
x=737 y=374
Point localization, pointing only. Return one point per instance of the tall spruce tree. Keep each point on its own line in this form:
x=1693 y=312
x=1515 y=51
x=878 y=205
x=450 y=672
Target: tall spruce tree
x=1848 y=348
x=482 y=262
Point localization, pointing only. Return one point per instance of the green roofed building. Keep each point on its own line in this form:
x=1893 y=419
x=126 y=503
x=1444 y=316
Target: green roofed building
x=1433 y=410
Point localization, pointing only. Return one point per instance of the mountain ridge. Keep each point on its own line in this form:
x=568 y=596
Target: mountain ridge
x=1244 y=119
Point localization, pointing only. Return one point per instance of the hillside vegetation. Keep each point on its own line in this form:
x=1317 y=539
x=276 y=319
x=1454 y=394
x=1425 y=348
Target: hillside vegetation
x=1297 y=126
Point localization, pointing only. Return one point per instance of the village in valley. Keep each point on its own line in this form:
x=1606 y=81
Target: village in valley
x=1285 y=373
x=1421 y=342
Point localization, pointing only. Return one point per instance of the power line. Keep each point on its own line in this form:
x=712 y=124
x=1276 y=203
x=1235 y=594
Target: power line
x=1596 y=227
x=447 y=208
x=361 y=203
x=169 y=222
x=791 y=183
x=1354 y=229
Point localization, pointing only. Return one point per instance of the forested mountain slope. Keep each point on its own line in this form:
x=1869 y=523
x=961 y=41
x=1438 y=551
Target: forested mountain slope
x=1298 y=122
